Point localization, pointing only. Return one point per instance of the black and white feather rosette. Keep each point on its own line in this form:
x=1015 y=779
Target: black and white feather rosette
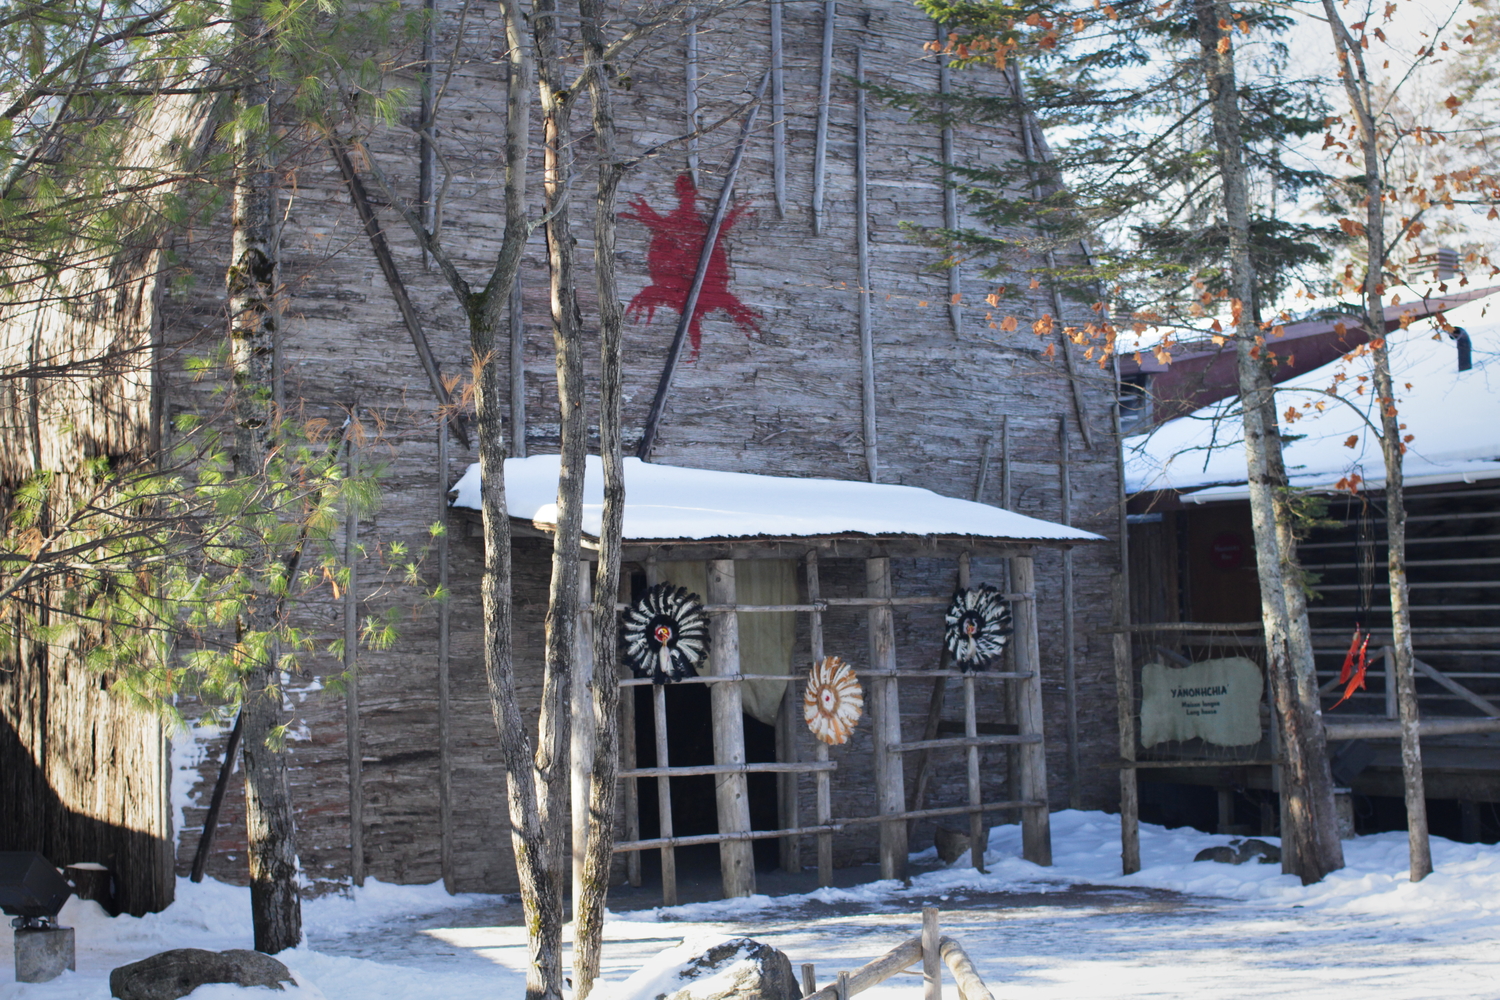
x=979 y=625
x=665 y=634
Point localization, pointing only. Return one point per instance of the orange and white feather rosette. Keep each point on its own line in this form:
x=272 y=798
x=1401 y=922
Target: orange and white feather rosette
x=833 y=701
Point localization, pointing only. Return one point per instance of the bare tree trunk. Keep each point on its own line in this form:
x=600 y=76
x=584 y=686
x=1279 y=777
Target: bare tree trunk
x=275 y=907
x=552 y=759
x=1305 y=851
x=1356 y=77
x=588 y=922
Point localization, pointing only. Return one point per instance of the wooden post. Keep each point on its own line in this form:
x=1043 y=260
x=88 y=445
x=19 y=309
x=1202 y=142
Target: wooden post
x=932 y=959
x=427 y=139
x=788 y=717
x=821 y=778
x=352 y=732
x=632 y=788
x=820 y=141
x=1130 y=803
x=890 y=782
x=950 y=194
x=862 y=259
x=809 y=978
x=1388 y=660
x=1036 y=826
x=736 y=857
x=585 y=728
x=843 y=987
x=976 y=794
x=1070 y=674
x=778 y=113
x=664 y=798
x=445 y=708
x=690 y=86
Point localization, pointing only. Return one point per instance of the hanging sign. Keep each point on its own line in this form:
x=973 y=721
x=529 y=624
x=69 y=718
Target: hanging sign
x=1217 y=701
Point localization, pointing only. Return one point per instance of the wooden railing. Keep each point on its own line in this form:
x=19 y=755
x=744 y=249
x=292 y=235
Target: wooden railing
x=930 y=948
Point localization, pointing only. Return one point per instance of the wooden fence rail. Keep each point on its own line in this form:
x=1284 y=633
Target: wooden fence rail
x=930 y=948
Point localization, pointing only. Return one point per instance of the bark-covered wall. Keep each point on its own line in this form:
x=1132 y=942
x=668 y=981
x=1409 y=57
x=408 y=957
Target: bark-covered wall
x=782 y=398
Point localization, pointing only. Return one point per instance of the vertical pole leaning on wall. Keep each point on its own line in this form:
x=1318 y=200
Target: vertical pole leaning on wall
x=890 y=780
x=820 y=749
x=778 y=112
x=1130 y=802
x=584 y=727
x=1012 y=714
x=862 y=256
x=950 y=194
x=445 y=709
x=820 y=140
x=517 y=371
x=690 y=86
x=1036 y=825
x=736 y=857
x=1070 y=673
x=352 y=733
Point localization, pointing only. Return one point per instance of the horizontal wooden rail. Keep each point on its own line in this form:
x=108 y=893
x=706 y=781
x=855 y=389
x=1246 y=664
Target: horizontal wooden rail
x=769 y=767
x=1184 y=627
x=898 y=960
x=970 y=986
x=942 y=811
x=712 y=679
x=996 y=675
x=625 y=846
x=1350 y=728
x=1137 y=765
x=841 y=602
x=948 y=742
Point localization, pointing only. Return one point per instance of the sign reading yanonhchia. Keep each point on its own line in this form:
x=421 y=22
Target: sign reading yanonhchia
x=1216 y=700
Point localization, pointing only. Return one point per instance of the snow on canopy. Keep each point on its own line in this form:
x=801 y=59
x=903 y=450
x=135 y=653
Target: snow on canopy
x=1454 y=418
x=667 y=502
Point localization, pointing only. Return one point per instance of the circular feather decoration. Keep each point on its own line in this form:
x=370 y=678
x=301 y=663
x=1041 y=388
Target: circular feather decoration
x=833 y=702
x=664 y=635
x=979 y=624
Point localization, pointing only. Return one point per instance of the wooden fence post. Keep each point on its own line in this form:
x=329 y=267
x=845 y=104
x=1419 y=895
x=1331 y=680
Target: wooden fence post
x=1130 y=803
x=890 y=781
x=1036 y=826
x=736 y=857
x=820 y=749
x=445 y=708
x=352 y=728
x=932 y=960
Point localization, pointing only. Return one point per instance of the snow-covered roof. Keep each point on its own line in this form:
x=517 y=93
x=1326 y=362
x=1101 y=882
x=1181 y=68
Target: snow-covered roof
x=1454 y=418
x=667 y=502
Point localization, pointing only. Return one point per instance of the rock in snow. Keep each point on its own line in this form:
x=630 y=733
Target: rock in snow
x=178 y=972
x=731 y=969
x=1237 y=852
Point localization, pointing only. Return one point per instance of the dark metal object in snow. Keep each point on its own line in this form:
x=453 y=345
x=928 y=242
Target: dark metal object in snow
x=979 y=625
x=665 y=634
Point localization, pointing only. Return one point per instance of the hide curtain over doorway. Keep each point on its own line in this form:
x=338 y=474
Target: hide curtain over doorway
x=766 y=637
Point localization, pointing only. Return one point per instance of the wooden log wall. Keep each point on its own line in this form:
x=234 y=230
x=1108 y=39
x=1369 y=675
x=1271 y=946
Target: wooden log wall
x=783 y=397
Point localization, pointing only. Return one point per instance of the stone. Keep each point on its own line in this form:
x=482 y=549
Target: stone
x=738 y=969
x=42 y=953
x=1237 y=852
x=178 y=972
x=952 y=845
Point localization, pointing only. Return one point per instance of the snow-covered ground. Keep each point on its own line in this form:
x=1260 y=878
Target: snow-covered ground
x=1177 y=929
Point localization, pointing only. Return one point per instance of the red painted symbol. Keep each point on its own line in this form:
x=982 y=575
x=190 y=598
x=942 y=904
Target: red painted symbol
x=672 y=258
x=663 y=634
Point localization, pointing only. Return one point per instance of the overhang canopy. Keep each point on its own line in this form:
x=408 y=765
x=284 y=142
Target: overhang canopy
x=670 y=504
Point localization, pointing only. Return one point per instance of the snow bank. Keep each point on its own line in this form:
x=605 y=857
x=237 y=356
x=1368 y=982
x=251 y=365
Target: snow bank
x=671 y=502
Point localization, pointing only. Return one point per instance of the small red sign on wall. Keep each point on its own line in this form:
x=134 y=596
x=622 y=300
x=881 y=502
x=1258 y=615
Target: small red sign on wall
x=1227 y=551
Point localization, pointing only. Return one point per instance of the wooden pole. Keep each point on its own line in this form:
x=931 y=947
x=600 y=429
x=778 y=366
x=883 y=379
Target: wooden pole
x=932 y=959
x=1388 y=661
x=890 y=783
x=1012 y=713
x=1130 y=803
x=664 y=797
x=862 y=255
x=360 y=199
x=711 y=238
x=1070 y=672
x=690 y=86
x=778 y=113
x=976 y=795
x=517 y=370
x=1036 y=826
x=984 y=469
x=820 y=140
x=789 y=808
x=934 y=721
x=950 y=193
x=445 y=708
x=216 y=801
x=809 y=979
x=427 y=137
x=585 y=729
x=822 y=779
x=352 y=733
x=736 y=857
x=632 y=787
